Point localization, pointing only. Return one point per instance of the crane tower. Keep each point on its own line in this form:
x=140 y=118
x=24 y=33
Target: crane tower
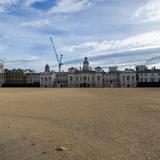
x=59 y=58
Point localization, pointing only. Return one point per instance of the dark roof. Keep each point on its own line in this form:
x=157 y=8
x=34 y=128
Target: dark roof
x=71 y=68
x=98 y=67
x=84 y=71
x=149 y=71
x=32 y=73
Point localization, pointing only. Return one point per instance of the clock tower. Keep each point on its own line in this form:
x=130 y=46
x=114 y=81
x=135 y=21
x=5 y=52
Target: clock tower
x=85 y=64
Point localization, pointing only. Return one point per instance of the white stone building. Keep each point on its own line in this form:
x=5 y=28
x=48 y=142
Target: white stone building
x=2 y=75
x=112 y=78
x=99 y=77
x=47 y=78
x=128 y=78
x=85 y=77
x=61 y=79
x=149 y=76
x=32 y=78
x=145 y=75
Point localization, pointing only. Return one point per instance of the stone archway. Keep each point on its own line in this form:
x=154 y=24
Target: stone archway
x=84 y=85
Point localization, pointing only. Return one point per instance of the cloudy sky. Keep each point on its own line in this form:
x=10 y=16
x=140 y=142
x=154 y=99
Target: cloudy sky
x=109 y=32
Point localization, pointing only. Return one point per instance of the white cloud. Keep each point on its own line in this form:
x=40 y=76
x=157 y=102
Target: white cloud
x=25 y=59
x=36 y=24
x=7 y=2
x=4 y=4
x=70 y=6
x=148 y=12
x=94 y=45
x=141 y=41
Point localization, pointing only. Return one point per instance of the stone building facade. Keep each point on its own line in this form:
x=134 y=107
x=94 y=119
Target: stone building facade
x=112 y=78
x=145 y=75
x=32 y=78
x=15 y=77
x=85 y=77
x=61 y=79
x=47 y=78
x=128 y=78
x=2 y=74
x=149 y=76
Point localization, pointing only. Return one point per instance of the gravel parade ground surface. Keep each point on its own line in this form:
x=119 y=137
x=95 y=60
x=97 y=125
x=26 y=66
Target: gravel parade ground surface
x=79 y=124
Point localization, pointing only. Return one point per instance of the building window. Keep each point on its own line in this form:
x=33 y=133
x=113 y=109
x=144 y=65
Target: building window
x=84 y=78
x=71 y=78
x=128 y=78
x=152 y=79
x=98 y=78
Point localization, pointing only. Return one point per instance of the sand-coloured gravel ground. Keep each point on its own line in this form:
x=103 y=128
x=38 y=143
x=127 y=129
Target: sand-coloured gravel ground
x=92 y=124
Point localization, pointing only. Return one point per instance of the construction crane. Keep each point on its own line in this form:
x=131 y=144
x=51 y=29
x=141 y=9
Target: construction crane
x=59 y=59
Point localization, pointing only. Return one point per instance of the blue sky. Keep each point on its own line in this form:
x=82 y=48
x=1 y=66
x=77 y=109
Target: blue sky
x=109 y=32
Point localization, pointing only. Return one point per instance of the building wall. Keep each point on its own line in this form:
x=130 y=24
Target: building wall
x=112 y=79
x=128 y=79
x=61 y=79
x=99 y=79
x=18 y=77
x=2 y=79
x=2 y=75
x=47 y=79
x=147 y=76
x=32 y=78
x=85 y=77
x=81 y=79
